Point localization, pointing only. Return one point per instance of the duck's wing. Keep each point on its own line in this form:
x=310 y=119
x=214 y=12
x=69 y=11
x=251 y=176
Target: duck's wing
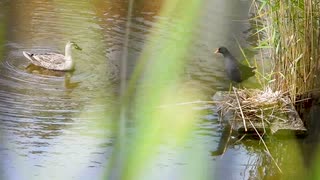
x=246 y=71
x=246 y=68
x=49 y=58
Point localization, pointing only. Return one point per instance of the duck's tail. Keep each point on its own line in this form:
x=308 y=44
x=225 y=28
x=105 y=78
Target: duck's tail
x=27 y=55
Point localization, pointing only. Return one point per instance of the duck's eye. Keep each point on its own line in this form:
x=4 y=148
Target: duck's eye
x=77 y=47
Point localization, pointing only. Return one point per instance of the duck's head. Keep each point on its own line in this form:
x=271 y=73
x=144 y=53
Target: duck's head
x=73 y=44
x=222 y=50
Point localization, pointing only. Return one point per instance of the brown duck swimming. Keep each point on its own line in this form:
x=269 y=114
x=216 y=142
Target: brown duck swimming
x=54 y=61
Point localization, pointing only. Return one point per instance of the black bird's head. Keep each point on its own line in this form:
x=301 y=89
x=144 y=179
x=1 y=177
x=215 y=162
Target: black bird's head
x=222 y=50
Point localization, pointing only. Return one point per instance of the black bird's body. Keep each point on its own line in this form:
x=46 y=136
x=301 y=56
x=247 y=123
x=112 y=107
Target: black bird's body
x=236 y=71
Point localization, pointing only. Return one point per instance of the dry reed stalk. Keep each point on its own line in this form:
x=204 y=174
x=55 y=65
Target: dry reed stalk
x=187 y=103
x=239 y=105
x=266 y=147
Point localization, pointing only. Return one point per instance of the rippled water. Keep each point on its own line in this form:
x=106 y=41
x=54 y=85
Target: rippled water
x=44 y=114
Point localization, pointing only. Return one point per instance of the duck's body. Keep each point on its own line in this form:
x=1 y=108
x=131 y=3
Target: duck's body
x=236 y=71
x=54 y=61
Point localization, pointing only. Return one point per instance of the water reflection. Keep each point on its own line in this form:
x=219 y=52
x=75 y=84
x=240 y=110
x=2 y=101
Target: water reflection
x=47 y=116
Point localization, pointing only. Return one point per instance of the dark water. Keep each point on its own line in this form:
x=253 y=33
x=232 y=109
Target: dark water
x=59 y=126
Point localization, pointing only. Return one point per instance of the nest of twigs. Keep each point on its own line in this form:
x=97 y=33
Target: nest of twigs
x=257 y=108
x=256 y=105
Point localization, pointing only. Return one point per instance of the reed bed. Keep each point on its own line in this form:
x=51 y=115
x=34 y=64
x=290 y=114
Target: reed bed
x=291 y=35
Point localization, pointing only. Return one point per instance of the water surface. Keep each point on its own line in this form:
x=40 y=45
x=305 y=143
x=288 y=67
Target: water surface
x=59 y=125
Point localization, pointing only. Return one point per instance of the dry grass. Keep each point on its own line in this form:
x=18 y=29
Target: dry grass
x=256 y=105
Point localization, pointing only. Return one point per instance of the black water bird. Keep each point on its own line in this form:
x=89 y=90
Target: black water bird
x=236 y=71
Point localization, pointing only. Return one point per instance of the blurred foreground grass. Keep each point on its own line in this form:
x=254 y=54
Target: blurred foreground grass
x=155 y=82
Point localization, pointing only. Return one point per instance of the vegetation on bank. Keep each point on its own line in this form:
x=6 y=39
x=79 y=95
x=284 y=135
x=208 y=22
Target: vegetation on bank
x=291 y=35
x=288 y=34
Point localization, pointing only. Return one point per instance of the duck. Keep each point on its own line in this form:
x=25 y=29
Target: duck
x=54 y=61
x=236 y=71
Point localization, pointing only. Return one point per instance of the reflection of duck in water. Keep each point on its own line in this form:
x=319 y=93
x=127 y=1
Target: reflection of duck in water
x=54 y=61
x=31 y=68
x=47 y=72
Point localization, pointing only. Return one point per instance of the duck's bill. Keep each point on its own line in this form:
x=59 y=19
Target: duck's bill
x=77 y=47
x=216 y=51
